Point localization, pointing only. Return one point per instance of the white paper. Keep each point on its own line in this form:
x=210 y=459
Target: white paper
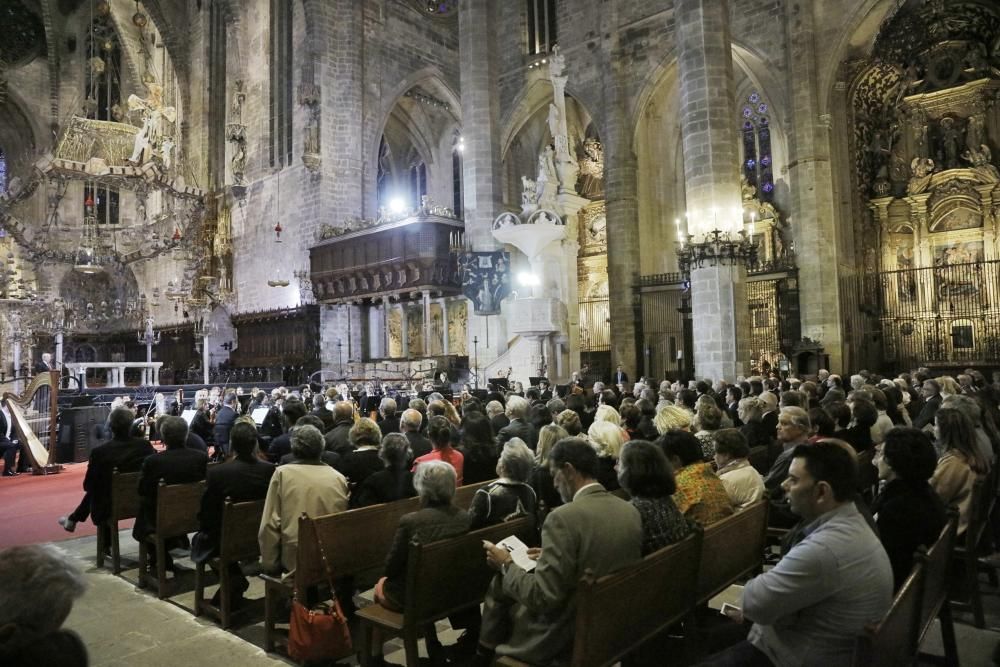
x=519 y=552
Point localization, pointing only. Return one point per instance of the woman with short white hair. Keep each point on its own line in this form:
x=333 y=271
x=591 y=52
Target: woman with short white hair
x=607 y=440
x=510 y=496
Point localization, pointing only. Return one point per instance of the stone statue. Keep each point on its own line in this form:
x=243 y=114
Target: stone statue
x=546 y=184
x=950 y=140
x=974 y=133
x=554 y=121
x=239 y=162
x=981 y=161
x=529 y=195
x=922 y=168
x=149 y=138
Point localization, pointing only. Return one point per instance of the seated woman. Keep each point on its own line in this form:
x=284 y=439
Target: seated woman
x=606 y=437
x=644 y=472
x=478 y=448
x=709 y=421
x=510 y=496
x=541 y=477
x=750 y=411
x=907 y=512
x=700 y=494
x=394 y=481
x=960 y=464
x=672 y=418
x=306 y=485
x=744 y=485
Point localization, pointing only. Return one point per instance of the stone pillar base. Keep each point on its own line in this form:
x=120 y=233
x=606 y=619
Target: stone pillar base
x=720 y=322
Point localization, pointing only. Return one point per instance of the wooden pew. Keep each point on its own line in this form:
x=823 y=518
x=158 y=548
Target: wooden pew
x=356 y=541
x=441 y=578
x=936 y=604
x=124 y=505
x=966 y=552
x=238 y=542
x=619 y=612
x=732 y=550
x=893 y=641
x=758 y=458
x=176 y=514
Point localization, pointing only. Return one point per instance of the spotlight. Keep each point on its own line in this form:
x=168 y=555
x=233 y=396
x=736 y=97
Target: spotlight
x=397 y=205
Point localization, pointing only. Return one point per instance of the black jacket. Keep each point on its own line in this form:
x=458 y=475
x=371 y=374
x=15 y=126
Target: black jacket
x=518 y=428
x=390 y=424
x=357 y=465
x=201 y=425
x=499 y=422
x=237 y=480
x=907 y=516
x=337 y=439
x=426 y=525
x=126 y=456
x=419 y=444
x=383 y=486
x=224 y=420
x=326 y=416
x=174 y=466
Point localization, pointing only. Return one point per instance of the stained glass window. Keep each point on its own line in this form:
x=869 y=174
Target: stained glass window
x=456 y=178
x=541 y=26
x=281 y=83
x=102 y=97
x=105 y=202
x=755 y=131
x=3 y=171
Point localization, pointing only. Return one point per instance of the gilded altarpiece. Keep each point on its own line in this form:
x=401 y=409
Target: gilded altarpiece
x=592 y=279
x=926 y=127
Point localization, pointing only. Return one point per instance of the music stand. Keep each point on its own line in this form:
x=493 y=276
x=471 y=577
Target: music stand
x=535 y=381
x=500 y=383
x=562 y=390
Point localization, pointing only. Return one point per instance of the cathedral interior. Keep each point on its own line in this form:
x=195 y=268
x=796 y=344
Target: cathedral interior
x=389 y=189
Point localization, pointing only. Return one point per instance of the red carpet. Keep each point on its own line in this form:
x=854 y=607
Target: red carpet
x=32 y=504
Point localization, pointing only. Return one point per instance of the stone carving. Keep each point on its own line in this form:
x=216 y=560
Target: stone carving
x=922 y=168
x=981 y=160
x=309 y=96
x=565 y=163
x=150 y=142
x=529 y=195
x=592 y=169
x=949 y=141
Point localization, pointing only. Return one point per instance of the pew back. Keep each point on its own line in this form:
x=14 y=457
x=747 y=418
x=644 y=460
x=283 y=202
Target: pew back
x=240 y=524
x=936 y=585
x=177 y=508
x=124 y=495
x=894 y=640
x=732 y=548
x=618 y=612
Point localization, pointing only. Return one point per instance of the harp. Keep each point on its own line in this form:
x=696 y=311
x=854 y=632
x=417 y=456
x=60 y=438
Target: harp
x=34 y=415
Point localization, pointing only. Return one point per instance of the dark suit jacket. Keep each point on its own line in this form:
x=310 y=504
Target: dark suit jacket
x=618 y=378
x=224 y=420
x=174 y=466
x=194 y=441
x=279 y=447
x=42 y=367
x=383 y=486
x=928 y=412
x=499 y=422
x=238 y=480
x=390 y=424
x=426 y=525
x=517 y=428
x=359 y=464
x=770 y=422
x=419 y=444
x=201 y=425
x=326 y=416
x=337 y=439
x=126 y=455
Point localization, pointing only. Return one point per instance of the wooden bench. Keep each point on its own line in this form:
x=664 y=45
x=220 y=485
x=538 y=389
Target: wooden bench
x=356 y=541
x=966 y=552
x=732 y=550
x=893 y=641
x=441 y=578
x=124 y=505
x=176 y=514
x=617 y=613
x=936 y=605
x=238 y=542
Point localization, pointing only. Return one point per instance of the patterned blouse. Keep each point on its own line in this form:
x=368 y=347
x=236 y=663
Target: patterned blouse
x=662 y=523
x=700 y=494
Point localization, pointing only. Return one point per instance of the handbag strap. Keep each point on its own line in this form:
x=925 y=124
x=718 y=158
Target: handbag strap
x=322 y=555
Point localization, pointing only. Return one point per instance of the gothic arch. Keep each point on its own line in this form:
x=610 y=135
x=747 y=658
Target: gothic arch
x=19 y=135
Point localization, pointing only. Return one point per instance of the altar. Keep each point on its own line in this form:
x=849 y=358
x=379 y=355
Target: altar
x=116 y=372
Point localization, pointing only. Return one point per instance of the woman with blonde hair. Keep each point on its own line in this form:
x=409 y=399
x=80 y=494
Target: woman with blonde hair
x=960 y=464
x=672 y=418
x=607 y=439
x=541 y=478
x=751 y=411
x=949 y=387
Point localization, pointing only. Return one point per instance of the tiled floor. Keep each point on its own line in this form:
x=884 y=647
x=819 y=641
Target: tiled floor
x=125 y=626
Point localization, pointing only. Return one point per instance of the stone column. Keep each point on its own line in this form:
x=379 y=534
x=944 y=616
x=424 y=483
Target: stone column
x=810 y=177
x=205 y=360
x=17 y=361
x=478 y=72
x=444 y=328
x=712 y=184
x=404 y=331
x=427 y=323
x=622 y=213
x=59 y=351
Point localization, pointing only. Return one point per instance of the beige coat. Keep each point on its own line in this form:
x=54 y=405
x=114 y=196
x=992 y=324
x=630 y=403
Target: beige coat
x=953 y=480
x=296 y=488
x=744 y=485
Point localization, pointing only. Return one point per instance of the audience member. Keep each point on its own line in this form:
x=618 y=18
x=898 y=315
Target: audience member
x=743 y=484
x=700 y=495
x=645 y=473
x=394 y=481
x=960 y=464
x=338 y=439
x=519 y=427
x=541 y=478
x=810 y=608
x=363 y=460
x=388 y=418
x=478 y=449
x=439 y=433
x=410 y=424
x=38 y=586
x=531 y=616
x=320 y=410
x=293 y=410
x=908 y=513
x=709 y=421
x=510 y=496
x=750 y=411
x=305 y=486
x=672 y=418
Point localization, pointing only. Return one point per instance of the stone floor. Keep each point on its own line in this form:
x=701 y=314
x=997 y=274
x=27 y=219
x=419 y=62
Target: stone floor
x=124 y=625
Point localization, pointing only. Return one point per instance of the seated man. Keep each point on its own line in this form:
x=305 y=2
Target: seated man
x=37 y=589
x=834 y=581
x=241 y=479
x=9 y=445
x=176 y=465
x=530 y=616
x=122 y=452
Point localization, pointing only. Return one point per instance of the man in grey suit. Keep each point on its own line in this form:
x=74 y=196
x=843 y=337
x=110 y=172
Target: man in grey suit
x=530 y=616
